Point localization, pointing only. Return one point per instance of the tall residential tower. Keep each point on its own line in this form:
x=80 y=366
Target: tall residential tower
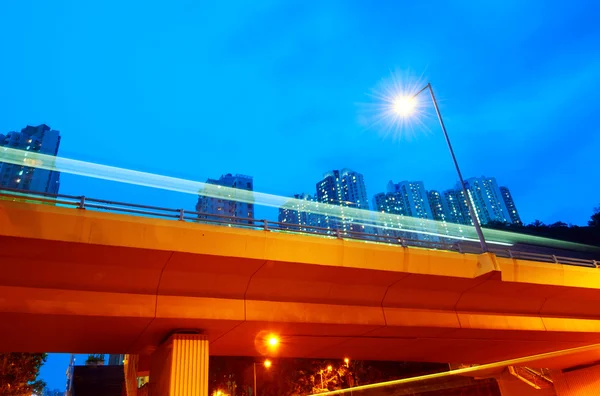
x=345 y=188
x=217 y=206
x=487 y=199
x=40 y=139
x=510 y=205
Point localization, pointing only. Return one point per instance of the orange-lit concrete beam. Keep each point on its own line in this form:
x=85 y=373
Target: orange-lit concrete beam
x=118 y=283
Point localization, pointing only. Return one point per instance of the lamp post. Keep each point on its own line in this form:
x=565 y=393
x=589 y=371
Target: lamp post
x=403 y=106
x=267 y=363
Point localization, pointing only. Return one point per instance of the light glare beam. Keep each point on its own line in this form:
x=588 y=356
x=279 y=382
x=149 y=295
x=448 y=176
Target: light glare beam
x=352 y=215
x=394 y=111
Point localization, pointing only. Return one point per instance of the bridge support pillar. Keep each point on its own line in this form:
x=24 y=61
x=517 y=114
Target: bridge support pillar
x=179 y=367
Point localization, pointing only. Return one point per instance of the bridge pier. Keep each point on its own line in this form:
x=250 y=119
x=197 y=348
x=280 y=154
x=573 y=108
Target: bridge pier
x=179 y=366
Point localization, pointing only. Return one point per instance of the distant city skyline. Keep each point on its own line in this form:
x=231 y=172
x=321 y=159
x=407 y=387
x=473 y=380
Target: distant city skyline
x=406 y=198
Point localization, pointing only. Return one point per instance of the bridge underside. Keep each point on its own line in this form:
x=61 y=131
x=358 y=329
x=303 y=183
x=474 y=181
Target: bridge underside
x=79 y=282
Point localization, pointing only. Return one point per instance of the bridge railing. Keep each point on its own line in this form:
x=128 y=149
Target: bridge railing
x=367 y=233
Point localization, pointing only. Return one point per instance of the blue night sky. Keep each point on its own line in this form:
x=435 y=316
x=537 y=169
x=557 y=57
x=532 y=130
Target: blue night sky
x=277 y=90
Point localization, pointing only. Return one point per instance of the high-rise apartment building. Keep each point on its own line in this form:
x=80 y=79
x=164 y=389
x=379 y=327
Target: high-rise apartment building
x=389 y=203
x=414 y=196
x=487 y=199
x=217 y=206
x=405 y=199
x=345 y=188
x=491 y=202
x=410 y=199
x=457 y=209
x=438 y=206
x=40 y=139
x=510 y=206
x=298 y=216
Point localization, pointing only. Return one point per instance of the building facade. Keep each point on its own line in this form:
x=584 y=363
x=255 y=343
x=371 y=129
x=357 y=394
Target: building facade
x=510 y=206
x=414 y=197
x=457 y=209
x=208 y=206
x=345 y=188
x=487 y=199
x=491 y=202
x=405 y=199
x=410 y=199
x=438 y=206
x=39 y=139
x=298 y=215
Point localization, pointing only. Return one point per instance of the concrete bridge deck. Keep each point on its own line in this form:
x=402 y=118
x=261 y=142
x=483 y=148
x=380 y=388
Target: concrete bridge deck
x=83 y=281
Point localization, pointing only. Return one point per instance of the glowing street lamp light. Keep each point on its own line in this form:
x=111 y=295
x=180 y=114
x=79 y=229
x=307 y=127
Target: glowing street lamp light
x=267 y=363
x=273 y=341
x=347 y=362
x=404 y=106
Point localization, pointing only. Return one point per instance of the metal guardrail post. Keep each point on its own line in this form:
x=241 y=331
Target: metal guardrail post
x=555 y=259
x=595 y=263
x=266 y=225
x=338 y=234
x=402 y=242
x=181 y=214
x=81 y=202
x=510 y=254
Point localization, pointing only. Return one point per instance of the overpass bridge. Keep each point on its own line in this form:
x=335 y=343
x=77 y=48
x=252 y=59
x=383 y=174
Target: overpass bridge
x=76 y=278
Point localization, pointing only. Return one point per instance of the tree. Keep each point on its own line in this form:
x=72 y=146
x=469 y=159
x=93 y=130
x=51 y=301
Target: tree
x=95 y=358
x=537 y=224
x=19 y=372
x=595 y=218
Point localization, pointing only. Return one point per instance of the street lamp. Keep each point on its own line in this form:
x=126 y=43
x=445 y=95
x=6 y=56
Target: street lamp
x=273 y=341
x=267 y=363
x=404 y=106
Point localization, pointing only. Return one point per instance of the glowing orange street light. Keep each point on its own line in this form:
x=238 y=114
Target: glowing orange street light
x=329 y=368
x=347 y=361
x=267 y=363
x=273 y=341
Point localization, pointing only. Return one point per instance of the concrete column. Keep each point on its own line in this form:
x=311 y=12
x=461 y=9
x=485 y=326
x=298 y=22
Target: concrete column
x=179 y=367
x=130 y=366
x=578 y=382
